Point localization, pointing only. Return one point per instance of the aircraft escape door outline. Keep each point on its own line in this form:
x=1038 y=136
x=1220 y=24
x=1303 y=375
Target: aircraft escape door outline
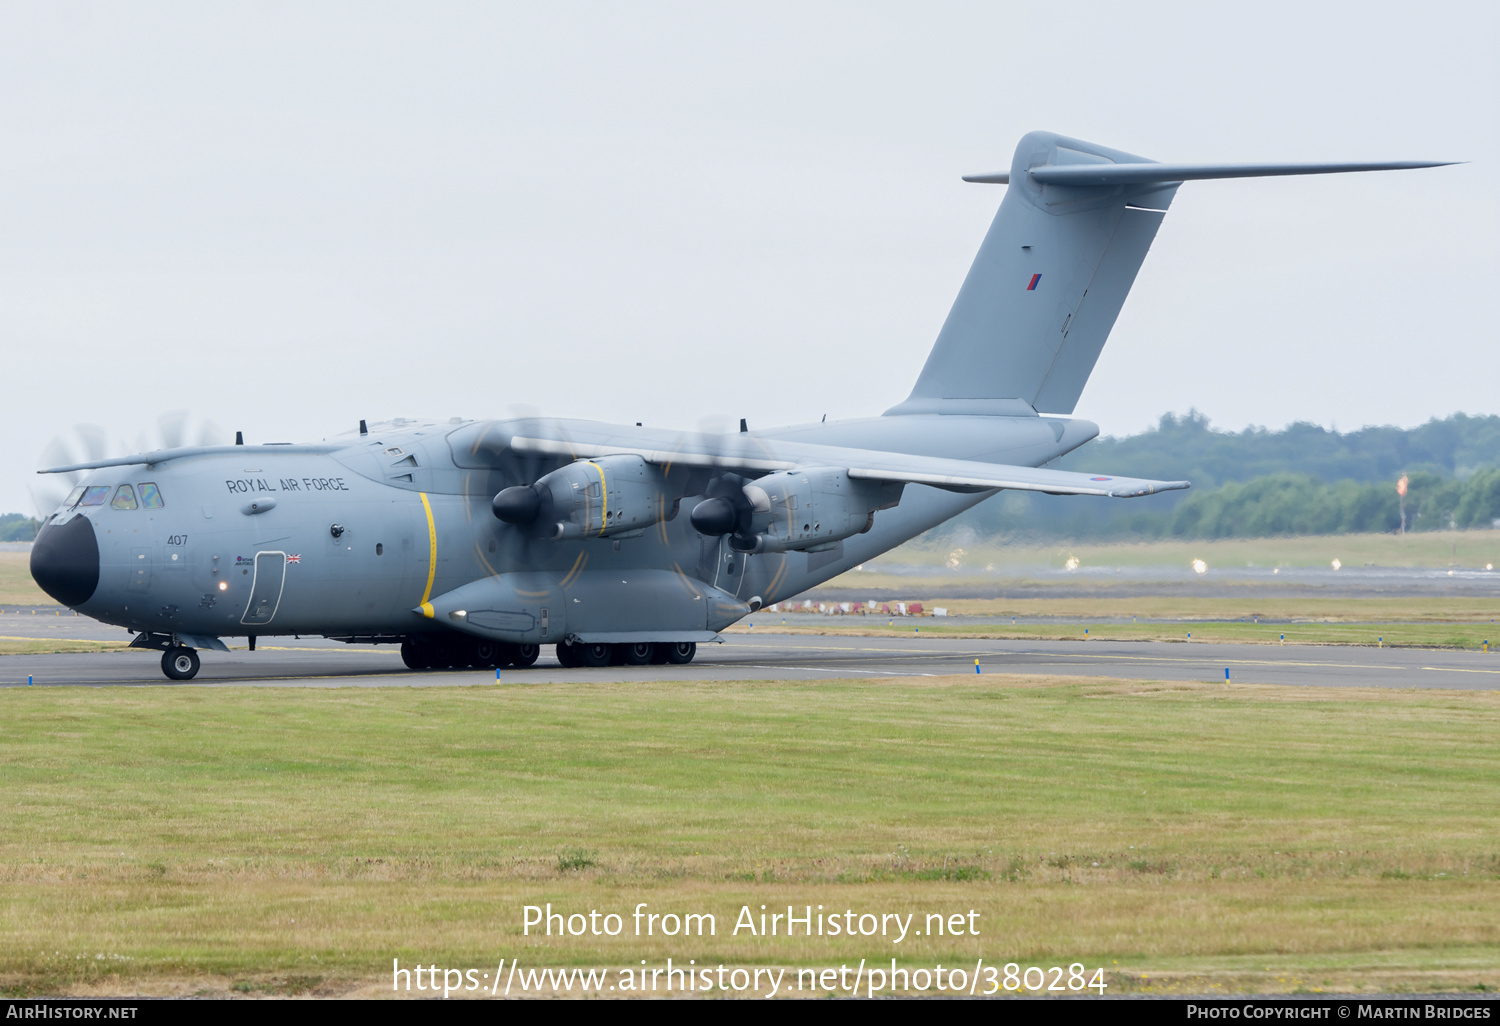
x=265 y=587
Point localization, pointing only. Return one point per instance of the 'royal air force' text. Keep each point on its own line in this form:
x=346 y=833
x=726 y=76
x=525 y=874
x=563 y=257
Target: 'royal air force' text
x=246 y=485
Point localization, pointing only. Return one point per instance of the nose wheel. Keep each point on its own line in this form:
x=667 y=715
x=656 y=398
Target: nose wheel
x=180 y=663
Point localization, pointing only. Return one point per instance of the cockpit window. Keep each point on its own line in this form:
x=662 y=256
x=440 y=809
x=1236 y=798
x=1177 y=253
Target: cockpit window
x=150 y=496
x=95 y=496
x=73 y=497
x=124 y=498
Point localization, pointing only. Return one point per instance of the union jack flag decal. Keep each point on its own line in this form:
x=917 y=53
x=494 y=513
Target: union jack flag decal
x=294 y=559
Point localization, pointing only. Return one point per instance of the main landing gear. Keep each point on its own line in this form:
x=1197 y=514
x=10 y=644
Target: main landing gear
x=461 y=652
x=639 y=653
x=180 y=663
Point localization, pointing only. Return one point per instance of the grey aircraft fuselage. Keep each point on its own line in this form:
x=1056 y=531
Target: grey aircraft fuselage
x=476 y=542
x=358 y=537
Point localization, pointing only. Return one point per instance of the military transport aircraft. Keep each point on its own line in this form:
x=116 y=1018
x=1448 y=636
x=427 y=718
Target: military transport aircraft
x=474 y=543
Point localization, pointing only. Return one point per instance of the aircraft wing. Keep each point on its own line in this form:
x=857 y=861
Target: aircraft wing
x=969 y=475
x=868 y=464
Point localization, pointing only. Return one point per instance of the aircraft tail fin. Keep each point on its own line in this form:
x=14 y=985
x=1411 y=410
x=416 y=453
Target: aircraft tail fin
x=1053 y=272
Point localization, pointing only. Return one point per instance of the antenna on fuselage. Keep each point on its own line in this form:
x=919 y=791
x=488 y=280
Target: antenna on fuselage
x=362 y=429
x=239 y=438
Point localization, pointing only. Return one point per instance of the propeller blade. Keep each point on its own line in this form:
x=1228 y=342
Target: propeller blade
x=171 y=428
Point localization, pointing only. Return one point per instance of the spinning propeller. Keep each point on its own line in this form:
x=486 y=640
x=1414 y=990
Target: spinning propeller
x=87 y=443
x=727 y=510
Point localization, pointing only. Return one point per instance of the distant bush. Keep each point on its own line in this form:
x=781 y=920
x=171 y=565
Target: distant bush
x=17 y=527
x=575 y=859
x=1301 y=479
x=1284 y=504
x=1292 y=504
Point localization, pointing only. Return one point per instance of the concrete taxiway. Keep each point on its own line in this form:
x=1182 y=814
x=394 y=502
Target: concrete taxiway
x=316 y=662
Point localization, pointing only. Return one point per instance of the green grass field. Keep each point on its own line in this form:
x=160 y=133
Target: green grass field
x=1182 y=837
x=46 y=646
x=16 y=586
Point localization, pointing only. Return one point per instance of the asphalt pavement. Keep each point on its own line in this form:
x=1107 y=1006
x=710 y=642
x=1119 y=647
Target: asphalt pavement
x=317 y=662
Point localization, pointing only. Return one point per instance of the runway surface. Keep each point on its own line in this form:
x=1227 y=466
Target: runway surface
x=316 y=662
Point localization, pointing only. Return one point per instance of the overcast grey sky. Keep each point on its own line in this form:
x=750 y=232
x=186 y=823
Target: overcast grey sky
x=283 y=217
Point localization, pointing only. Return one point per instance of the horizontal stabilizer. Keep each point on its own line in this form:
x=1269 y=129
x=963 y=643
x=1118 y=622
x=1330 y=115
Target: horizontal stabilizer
x=1148 y=172
x=1140 y=174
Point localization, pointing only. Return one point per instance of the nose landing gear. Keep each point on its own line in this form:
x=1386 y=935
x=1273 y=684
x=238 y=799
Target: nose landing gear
x=180 y=663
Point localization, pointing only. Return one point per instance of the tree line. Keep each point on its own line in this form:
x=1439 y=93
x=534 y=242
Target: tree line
x=17 y=527
x=1301 y=479
x=1285 y=504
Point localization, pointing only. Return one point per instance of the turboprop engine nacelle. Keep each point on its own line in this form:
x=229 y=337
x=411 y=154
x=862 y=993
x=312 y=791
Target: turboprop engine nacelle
x=797 y=510
x=606 y=497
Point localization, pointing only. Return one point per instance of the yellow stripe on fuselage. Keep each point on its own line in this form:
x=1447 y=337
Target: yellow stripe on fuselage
x=603 y=498
x=427 y=610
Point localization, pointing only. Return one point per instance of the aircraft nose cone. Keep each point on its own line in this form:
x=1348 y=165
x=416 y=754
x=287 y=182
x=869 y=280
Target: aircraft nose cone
x=65 y=561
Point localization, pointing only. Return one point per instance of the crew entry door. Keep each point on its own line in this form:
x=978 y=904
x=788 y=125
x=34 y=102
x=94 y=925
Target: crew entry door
x=265 y=587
